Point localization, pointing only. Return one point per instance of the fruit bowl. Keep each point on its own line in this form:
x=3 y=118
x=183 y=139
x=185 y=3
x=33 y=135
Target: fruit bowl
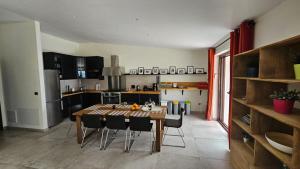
x=280 y=141
x=135 y=107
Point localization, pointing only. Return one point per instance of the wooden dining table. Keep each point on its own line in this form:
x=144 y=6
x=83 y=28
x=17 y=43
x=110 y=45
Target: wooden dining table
x=158 y=114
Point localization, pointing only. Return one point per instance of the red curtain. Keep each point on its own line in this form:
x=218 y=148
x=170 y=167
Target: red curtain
x=211 y=60
x=241 y=40
x=246 y=38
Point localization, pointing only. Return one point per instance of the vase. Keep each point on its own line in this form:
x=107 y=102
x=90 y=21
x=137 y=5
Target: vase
x=283 y=106
x=297 y=71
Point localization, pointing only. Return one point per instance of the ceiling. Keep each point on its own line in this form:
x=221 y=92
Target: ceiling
x=162 y=23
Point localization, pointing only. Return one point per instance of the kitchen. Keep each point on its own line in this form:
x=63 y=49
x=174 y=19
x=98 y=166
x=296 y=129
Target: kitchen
x=84 y=81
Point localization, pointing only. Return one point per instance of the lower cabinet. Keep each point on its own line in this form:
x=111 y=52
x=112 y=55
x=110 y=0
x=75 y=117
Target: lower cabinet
x=72 y=104
x=139 y=98
x=91 y=99
x=149 y=97
x=130 y=98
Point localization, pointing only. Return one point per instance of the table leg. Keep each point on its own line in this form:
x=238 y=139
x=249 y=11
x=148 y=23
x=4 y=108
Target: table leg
x=158 y=135
x=79 y=130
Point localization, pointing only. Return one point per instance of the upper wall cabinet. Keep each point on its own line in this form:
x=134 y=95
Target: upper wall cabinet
x=94 y=66
x=73 y=67
x=51 y=60
x=68 y=67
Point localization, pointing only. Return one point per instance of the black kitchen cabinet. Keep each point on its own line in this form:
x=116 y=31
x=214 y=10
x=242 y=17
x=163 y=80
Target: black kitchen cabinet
x=94 y=66
x=52 y=60
x=72 y=104
x=91 y=99
x=81 y=73
x=68 y=67
x=147 y=97
x=130 y=98
x=139 y=98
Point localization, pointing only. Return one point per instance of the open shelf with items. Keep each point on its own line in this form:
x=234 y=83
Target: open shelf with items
x=251 y=95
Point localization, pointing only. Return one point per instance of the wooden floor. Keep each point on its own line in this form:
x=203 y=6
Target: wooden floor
x=207 y=148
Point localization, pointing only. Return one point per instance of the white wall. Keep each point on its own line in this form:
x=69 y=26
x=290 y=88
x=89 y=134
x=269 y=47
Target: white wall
x=52 y=43
x=21 y=62
x=2 y=101
x=132 y=57
x=278 y=24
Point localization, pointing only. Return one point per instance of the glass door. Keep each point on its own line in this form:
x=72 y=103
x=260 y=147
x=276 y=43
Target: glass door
x=224 y=89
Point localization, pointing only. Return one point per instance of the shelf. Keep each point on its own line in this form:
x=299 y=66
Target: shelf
x=287 y=81
x=250 y=146
x=285 y=158
x=248 y=53
x=241 y=101
x=187 y=88
x=243 y=150
x=241 y=124
x=127 y=74
x=289 y=119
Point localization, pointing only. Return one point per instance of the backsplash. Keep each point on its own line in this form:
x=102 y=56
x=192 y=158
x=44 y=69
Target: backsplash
x=73 y=83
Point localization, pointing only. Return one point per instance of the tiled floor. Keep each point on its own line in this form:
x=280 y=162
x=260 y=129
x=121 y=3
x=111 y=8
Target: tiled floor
x=206 y=148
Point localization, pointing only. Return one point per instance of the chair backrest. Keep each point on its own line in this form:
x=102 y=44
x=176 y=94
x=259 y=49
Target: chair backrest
x=116 y=122
x=182 y=111
x=140 y=123
x=92 y=121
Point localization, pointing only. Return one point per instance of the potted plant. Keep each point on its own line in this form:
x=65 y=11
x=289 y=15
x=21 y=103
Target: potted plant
x=283 y=101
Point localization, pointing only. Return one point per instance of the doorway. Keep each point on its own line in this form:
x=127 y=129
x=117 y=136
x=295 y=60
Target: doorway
x=224 y=89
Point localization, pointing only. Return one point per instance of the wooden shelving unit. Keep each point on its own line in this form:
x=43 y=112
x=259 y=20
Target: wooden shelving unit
x=251 y=96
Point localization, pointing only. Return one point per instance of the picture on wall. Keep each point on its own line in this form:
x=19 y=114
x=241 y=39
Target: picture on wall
x=181 y=71
x=199 y=70
x=147 y=71
x=133 y=71
x=155 y=70
x=140 y=70
x=172 y=69
x=163 y=71
x=190 y=69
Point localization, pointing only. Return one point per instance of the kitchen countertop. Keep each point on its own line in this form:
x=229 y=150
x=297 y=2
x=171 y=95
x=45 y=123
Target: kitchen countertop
x=99 y=91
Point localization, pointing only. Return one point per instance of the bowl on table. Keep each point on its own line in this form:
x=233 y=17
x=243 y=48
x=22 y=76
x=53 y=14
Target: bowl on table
x=281 y=141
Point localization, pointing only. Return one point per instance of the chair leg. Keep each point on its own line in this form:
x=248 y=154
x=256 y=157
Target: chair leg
x=69 y=129
x=181 y=136
x=83 y=137
x=128 y=147
x=125 y=146
x=106 y=139
x=151 y=142
x=165 y=132
x=181 y=132
x=101 y=138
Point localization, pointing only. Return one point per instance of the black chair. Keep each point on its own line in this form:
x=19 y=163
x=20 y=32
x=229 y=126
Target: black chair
x=116 y=122
x=174 y=123
x=140 y=124
x=92 y=121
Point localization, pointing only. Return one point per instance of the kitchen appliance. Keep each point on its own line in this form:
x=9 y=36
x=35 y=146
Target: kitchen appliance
x=114 y=74
x=116 y=82
x=111 y=97
x=53 y=97
x=155 y=88
x=98 y=86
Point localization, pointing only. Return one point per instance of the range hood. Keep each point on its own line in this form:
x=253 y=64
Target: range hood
x=115 y=69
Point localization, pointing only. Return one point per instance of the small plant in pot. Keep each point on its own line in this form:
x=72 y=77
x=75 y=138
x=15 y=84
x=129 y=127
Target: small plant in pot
x=283 y=101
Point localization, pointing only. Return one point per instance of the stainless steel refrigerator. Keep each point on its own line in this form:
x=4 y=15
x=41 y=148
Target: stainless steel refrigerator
x=53 y=97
